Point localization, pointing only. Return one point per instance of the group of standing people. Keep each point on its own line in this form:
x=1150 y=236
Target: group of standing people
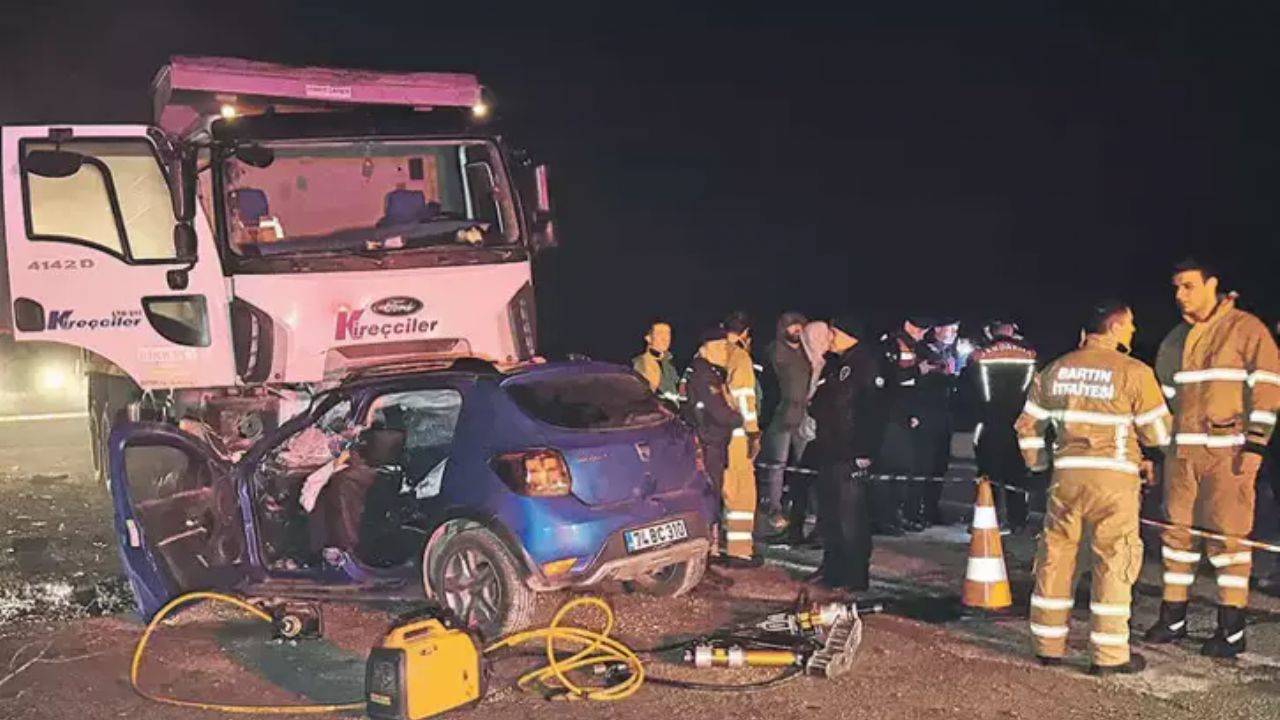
x=1098 y=421
x=847 y=404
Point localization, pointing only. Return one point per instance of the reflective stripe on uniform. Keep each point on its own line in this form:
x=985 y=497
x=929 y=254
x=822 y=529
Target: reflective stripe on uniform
x=737 y=535
x=1151 y=416
x=1098 y=638
x=1049 y=631
x=1263 y=376
x=1031 y=443
x=1045 y=603
x=1169 y=391
x=1213 y=441
x=1092 y=418
x=1238 y=582
x=750 y=416
x=739 y=515
x=1186 y=377
x=739 y=432
x=1240 y=558
x=1181 y=556
x=906 y=356
x=1262 y=416
x=1109 y=609
x=977 y=434
x=1172 y=578
x=1035 y=411
x=1095 y=463
x=743 y=392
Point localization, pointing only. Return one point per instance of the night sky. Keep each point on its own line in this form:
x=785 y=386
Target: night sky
x=1016 y=158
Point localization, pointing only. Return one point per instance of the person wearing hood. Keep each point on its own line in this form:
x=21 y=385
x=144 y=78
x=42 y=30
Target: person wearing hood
x=1220 y=370
x=783 y=440
x=816 y=341
x=846 y=410
x=655 y=366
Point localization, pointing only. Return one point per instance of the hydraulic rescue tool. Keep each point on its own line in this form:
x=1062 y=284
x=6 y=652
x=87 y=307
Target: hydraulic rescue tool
x=820 y=639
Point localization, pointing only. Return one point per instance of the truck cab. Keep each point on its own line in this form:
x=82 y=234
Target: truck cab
x=273 y=230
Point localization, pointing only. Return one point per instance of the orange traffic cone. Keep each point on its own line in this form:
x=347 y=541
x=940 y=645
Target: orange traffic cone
x=986 y=583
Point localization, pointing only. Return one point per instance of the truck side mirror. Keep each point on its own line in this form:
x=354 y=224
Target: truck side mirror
x=184 y=241
x=52 y=163
x=543 y=228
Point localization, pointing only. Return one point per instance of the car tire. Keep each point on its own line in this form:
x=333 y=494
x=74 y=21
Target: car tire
x=477 y=579
x=674 y=580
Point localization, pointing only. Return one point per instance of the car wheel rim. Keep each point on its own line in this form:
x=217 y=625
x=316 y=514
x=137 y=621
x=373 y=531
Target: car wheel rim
x=472 y=589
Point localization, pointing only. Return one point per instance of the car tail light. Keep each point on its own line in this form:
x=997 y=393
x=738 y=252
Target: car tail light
x=536 y=473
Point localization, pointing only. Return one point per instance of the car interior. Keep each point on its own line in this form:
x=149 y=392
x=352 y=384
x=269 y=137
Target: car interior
x=395 y=457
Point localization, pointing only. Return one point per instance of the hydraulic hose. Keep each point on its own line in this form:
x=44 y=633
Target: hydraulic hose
x=597 y=649
x=181 y=600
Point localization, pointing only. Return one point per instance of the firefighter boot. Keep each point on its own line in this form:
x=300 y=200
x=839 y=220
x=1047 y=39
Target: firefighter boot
x=1171 y=626
x=1228 y=641
x=1136 y=664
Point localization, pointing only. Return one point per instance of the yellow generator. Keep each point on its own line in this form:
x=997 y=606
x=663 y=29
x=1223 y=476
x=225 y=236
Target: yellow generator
x=422 y=669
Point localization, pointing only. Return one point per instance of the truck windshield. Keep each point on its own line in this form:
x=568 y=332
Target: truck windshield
x=317 y=197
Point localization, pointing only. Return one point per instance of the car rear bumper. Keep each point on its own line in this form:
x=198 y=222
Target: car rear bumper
x=627 y=567
x=609 y=559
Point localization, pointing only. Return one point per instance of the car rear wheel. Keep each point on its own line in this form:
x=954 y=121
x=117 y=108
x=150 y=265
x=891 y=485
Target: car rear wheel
x=673 y=580
x=474 y=575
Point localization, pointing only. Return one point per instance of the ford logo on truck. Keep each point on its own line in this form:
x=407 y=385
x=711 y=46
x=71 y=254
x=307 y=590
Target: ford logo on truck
x=396 y=306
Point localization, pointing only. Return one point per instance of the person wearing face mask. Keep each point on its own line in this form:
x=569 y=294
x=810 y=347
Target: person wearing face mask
x=1101 y=404
x=783 y=439
x=849 y=426
x=655 y=366
x=1221 y=371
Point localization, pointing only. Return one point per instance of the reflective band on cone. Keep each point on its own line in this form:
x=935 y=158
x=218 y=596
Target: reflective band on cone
x=984 y=518
x=986 y=582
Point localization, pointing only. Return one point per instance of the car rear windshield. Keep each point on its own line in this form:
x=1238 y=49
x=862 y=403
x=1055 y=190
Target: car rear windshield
x=589 y=402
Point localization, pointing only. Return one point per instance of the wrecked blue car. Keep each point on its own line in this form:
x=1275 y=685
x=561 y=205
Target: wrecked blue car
x=476 y=487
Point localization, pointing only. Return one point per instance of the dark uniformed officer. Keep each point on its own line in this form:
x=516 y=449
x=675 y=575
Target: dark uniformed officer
x=996 y=378
x=848 y=422
x=905 y=450
x=709 y=408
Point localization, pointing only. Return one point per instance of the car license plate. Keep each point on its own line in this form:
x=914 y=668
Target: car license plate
x=655 y=535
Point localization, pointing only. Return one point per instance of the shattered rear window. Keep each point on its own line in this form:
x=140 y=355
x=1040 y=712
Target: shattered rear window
x=589 y=402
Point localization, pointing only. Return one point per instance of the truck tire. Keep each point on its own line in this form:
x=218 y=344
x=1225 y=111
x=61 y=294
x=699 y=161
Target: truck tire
x=475 y=576
x=673 y=580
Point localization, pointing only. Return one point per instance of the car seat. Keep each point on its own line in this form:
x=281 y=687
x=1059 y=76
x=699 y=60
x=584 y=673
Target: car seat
x=253 y=210
x=407 y=207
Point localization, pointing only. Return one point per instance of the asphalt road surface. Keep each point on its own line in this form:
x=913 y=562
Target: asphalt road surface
x=924 y=658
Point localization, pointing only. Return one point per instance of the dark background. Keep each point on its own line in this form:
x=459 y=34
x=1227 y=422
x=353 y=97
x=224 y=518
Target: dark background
x=1014 y=158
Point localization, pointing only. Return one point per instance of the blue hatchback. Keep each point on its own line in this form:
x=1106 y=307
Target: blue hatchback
x=478 y=487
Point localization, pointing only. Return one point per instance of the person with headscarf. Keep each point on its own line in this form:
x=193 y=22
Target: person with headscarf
x=815 y=339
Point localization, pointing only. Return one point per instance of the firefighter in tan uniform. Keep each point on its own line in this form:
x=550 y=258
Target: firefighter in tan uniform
x=739 y=490
x=1101 y=404
x=1221 y=371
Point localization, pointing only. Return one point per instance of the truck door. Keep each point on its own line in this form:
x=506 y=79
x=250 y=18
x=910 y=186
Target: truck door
x=94 y=260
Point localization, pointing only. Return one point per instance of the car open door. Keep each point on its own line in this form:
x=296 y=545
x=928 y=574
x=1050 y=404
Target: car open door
x=96 y=257
x=177 y=513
